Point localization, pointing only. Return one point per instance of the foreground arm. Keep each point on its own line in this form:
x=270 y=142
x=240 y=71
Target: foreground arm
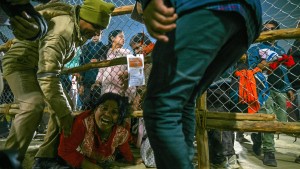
x=25 y=21
x=53 y=49
x=159 y=19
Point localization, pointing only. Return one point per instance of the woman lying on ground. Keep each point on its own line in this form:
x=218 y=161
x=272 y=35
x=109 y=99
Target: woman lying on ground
x=97 y=134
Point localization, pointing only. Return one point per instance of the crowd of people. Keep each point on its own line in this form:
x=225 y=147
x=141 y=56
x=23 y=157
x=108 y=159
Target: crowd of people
x=260 y=82
x=182 y=69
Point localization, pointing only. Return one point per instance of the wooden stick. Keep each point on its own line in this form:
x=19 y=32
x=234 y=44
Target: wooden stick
x=239 y=116
x=227 y=116
x=254 y=126
x=123 y=10
x=290 y=33
x=201 y=135
x=101 y=64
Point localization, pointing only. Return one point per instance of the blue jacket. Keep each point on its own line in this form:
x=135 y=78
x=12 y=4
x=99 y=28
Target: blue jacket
x=278 y=79
x=90 y=51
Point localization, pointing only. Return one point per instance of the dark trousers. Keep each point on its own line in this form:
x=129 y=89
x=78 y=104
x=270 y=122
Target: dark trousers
x=204 y=44
x=220 y=142
x=221 y=145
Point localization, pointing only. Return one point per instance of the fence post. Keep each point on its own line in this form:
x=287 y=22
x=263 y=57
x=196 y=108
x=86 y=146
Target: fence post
x=201 y=134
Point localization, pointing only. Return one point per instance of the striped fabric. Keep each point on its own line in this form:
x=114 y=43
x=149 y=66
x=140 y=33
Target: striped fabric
x=241 y=9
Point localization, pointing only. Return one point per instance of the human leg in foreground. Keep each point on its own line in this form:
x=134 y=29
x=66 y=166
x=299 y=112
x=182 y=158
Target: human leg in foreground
x=182 y=69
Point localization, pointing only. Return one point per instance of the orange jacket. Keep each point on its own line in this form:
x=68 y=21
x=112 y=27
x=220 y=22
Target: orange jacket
x=247 y=89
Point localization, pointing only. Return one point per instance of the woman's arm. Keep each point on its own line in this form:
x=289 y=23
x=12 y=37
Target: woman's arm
x=126 y=151
x=127 y=154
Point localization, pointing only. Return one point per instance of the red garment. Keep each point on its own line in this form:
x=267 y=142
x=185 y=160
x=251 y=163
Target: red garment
x=289 y=105
x=286 y=60
x=148 y=49
x=69 y=147
x=247 y=89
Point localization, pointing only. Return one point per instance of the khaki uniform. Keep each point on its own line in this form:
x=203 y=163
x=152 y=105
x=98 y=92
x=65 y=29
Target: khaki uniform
x=32 y=70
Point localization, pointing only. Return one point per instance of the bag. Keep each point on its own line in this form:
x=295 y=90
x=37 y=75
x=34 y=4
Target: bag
x=147 y=154
x=146 y=151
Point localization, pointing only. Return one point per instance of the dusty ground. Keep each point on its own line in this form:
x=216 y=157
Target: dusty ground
x=287 y=151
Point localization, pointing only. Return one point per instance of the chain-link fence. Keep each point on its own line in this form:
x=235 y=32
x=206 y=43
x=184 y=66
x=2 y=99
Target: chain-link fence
x=226 y=94
x=223 y=95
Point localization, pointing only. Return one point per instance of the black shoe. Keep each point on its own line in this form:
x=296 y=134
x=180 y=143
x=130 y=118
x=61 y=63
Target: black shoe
x=297 y=160
x=256 y=139
x=47 y=163
x=269 y=159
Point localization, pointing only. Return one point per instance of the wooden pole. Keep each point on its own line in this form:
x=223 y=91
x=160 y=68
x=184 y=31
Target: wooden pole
x=227 y=116
x=254 y=126
x=240 y=116
x=201 y=135
x=123 y=10
x=101 y=64
x=290 y=33
x=214 y=120
x=242 y=122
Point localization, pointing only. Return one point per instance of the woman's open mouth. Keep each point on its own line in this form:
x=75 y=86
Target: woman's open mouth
x=105 y=121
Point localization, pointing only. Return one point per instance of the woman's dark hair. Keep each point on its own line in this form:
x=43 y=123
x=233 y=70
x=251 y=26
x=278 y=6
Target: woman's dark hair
x=273 y=22
x=140 y=37
x=111 y=34
x=121 y=101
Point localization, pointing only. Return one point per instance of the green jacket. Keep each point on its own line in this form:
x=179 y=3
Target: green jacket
x=48 y=55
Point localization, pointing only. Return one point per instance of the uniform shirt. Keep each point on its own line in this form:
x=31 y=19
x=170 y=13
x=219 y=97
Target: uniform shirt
x=48 y=55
